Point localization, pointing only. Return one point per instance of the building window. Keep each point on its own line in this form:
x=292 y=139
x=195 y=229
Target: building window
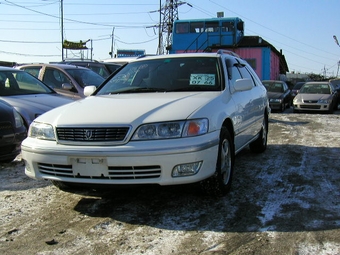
x=196 y=27
x=182 y=28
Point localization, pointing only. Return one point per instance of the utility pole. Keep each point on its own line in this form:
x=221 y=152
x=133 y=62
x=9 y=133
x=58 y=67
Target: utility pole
x=62 y=29
x=160 y=50
x=112 y=40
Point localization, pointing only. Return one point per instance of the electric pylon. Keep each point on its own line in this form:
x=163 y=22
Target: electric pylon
x=168 y=14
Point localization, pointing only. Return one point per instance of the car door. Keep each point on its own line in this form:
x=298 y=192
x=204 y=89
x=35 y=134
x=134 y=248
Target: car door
x=253 y=110
x=56 y=79
x=287 y=94
x=243 y=101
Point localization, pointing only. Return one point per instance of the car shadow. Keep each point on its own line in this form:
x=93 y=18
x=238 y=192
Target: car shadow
x=293 y=190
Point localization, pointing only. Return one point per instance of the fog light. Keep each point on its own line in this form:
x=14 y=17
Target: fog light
x=186 y=169
x=27 y=166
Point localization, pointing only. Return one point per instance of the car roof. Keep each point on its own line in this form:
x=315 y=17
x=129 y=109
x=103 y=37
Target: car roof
x=317 y=82
x=61 y=66
x=276 y=81
x=6 y=68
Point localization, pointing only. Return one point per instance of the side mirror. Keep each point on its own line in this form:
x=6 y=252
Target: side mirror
x=66 y=86
x=243 y=84
x=88 y=90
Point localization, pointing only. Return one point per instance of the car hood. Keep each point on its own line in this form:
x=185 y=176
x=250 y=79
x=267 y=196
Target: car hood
x=38 y=102
x=6 y=111
x=30 y=106
x=128 y=109
x=312 y=97
x=274 y=95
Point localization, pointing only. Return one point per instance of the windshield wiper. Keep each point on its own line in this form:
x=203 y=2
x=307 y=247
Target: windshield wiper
x=139 y=90
x=194 y=88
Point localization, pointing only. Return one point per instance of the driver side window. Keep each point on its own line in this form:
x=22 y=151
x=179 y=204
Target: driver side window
x=54 y=78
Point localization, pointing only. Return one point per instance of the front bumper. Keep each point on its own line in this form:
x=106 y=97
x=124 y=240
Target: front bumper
x=311 y=107
x=275 y=106
x=142 y=162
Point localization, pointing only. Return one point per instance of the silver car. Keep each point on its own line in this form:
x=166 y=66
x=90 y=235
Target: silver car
x=68 y=80
x=27 y=94
x=316 y=96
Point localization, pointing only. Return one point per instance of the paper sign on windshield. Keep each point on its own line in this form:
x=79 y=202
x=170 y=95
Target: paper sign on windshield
x=202 y=79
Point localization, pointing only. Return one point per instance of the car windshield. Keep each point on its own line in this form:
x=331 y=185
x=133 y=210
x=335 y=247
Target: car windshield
x=165 y=75
x=315 y=89
x=85 y=77
x=17 y=82
x=298 y=85
x=274 y=87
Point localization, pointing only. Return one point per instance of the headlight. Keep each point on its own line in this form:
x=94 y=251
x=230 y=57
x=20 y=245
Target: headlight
x=275 y=100
x=174 y=129
x=18 y=119
x=41 y=131
x=296 y=100
x=324 y=101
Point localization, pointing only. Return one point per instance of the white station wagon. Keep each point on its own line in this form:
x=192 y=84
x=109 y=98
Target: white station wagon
x=167 y=120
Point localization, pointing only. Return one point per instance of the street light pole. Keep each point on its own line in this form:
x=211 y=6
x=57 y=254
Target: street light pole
x=337 y=42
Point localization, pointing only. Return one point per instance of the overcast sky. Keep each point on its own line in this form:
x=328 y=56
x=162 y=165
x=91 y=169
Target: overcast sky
x=303 y=29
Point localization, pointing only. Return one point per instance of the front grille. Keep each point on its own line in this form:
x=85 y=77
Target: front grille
x=310 y=101
x=115 y=134
x=314 y=107
x=56 y=170
x=114 y=172
x=5 y=126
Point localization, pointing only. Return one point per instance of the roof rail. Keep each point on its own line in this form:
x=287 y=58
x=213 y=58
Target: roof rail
x=229 y=52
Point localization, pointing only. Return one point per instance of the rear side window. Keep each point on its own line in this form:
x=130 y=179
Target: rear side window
x=32 y=70
x=245 y=73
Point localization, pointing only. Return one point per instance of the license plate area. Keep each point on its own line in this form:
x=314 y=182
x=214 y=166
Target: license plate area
x=95 y=167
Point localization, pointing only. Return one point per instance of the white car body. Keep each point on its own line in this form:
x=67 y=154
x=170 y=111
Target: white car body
x=324 y=98
x=130 y=161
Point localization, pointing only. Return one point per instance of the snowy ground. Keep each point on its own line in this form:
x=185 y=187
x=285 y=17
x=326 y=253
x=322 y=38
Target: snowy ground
x=285 y=201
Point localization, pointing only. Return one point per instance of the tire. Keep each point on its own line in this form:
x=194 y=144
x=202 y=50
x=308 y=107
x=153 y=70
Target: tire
x=260 y=144
x=220 y=183
x=283 y=107
x=8 y=160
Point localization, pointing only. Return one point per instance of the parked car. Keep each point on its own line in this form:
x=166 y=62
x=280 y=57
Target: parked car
x=27 y=94
x=104 y=69
x=167 y=120
x=68 y=80
x=336 y=85
x=121 y=61
x=279 y=94
x=297 y=88
x=12 y=132
x=316 y=96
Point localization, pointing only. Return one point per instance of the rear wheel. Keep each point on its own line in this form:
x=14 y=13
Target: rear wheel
x=220 y=183
x=260 y=144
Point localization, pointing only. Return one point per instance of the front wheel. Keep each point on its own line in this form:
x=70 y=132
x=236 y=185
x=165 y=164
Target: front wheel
x=220 y=183
x=260 y=144
x=283 y=107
